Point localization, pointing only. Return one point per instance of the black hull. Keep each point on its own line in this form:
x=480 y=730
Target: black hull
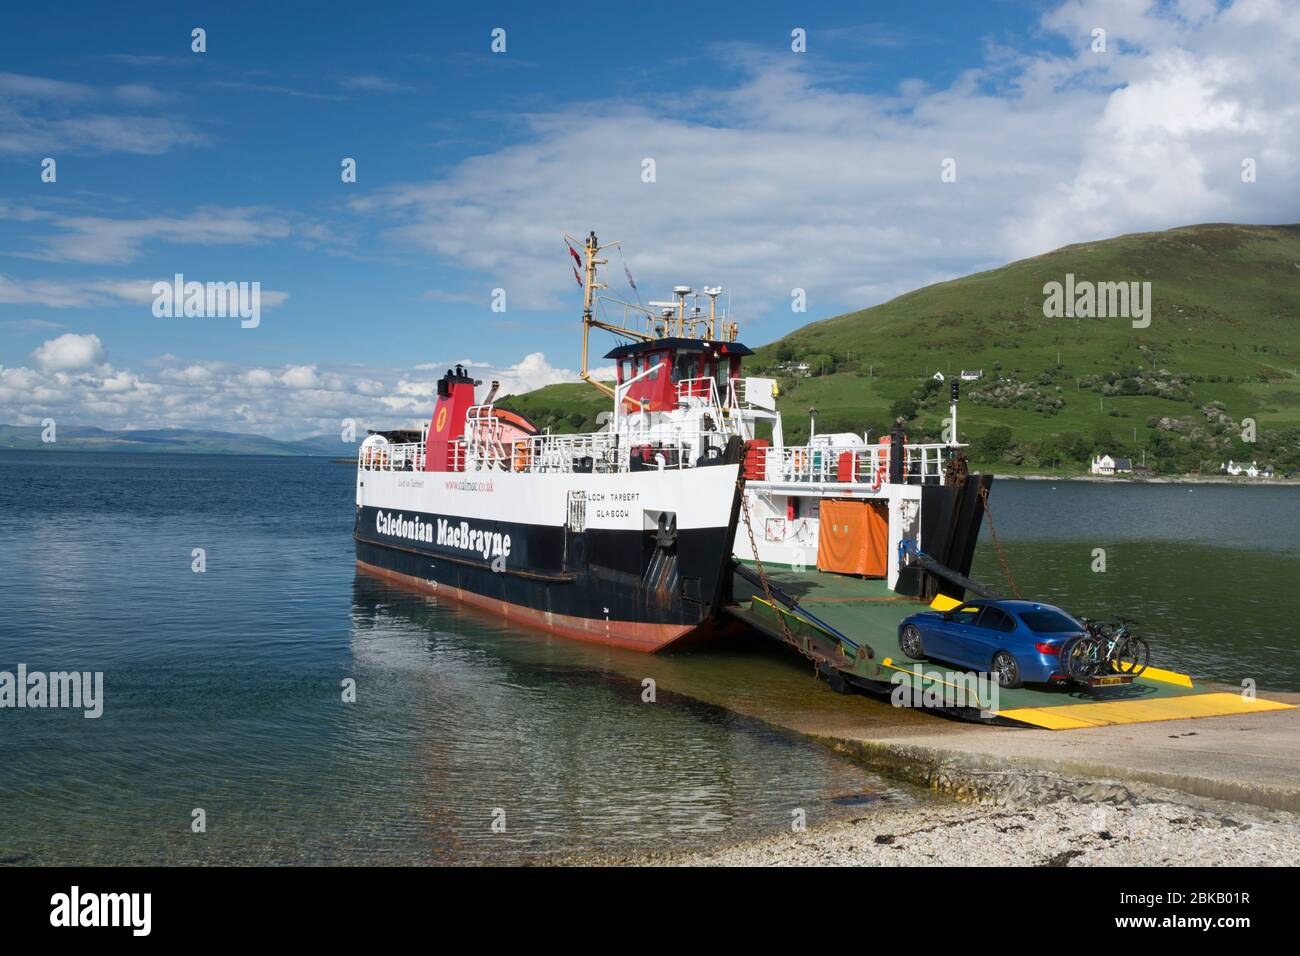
x=626 y=588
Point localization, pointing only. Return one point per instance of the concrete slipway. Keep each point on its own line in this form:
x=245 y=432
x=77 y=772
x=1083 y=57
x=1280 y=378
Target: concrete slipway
x=1148 y=732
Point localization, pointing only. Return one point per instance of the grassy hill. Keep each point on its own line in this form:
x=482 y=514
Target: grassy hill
x=566 y=409
x=1223 y=345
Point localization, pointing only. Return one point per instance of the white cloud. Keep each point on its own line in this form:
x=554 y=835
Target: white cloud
x=74 y=293
x=300 y=376
x=101 y=239
x=119 y=382
x=533 y=371
x=47 y=116
x=258 y=378
x=791 y=180
x=190 y=374
x=71 y=381
x=69 y=351
x=370 y=83
x=97 y=293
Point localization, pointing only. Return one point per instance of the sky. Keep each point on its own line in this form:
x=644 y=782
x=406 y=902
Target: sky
x=904 y=144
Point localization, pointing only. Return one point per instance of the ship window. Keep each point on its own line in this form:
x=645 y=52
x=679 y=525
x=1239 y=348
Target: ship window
x=718 y=372
x=652 y=362
x=684 y=367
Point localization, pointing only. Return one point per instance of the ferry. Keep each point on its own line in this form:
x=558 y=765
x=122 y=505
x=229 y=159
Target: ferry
x=633 y=535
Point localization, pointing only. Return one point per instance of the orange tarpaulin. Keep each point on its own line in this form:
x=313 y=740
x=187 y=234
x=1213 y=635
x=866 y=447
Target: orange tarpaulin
x=853 y=538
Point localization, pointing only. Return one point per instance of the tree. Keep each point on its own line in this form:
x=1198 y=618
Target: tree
x=1076 y=447
x=904 y=408
x=994 y=443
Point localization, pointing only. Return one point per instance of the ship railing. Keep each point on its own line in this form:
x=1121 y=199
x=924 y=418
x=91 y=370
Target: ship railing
x=484 y=447
x=736 y=392
x=404 y=457
x=698 y=391
x=853 y=464
x=676 y=450
x=607 y=452
x=595 y=452
x=704 y=393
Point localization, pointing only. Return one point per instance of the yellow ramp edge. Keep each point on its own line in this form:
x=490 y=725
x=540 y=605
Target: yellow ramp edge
x=1105 y=713
x=1166 y=677
x=942 y=602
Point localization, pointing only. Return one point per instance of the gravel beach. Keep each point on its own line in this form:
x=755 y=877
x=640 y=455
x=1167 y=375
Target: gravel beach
x=1120 y=829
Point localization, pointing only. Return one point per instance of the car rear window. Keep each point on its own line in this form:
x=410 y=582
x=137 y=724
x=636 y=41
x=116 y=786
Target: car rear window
x=1048 y=622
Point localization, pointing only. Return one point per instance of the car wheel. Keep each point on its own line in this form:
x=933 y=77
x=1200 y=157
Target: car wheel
x=910 y=642
x=1006 y=669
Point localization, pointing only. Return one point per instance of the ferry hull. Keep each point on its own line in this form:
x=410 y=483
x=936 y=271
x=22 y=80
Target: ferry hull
x=631 y=635
x=613 y=571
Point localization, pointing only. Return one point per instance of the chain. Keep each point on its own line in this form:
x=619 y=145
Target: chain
x=997 y=545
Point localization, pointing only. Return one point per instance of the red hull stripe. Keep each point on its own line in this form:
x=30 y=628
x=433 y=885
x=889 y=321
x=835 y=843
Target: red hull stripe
x=631 y=635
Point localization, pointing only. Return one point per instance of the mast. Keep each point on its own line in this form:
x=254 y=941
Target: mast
x=670 y=322
x=591 y=249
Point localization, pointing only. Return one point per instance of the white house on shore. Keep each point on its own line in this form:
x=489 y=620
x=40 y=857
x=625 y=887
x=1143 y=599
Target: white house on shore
x=1105 y=464
x=1236 y=468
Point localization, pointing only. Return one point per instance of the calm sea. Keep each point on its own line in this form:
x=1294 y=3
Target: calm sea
x=224 y=689
x=223 y=693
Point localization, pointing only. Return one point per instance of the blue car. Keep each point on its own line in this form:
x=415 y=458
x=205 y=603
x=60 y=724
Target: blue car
x=1018 y=641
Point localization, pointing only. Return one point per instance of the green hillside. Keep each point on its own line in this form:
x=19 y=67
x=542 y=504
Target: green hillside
x=565 y=408
x=1223 y=345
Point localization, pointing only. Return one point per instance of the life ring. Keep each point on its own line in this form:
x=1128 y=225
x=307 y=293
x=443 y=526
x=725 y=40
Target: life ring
x=521 y=456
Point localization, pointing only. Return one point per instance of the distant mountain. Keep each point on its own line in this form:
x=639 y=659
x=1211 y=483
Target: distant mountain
x=180 y=440
x=1222 y=347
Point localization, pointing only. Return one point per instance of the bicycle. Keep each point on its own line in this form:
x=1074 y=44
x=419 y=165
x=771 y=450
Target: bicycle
x=1108 y=653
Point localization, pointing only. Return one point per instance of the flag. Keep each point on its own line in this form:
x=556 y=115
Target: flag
x=576 y=258
x=629 y=277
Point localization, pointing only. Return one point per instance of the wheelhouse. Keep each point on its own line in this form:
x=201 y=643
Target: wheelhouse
x=656 y=375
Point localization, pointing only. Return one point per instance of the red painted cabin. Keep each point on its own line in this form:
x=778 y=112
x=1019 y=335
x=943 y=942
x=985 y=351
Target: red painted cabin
x=676 y=361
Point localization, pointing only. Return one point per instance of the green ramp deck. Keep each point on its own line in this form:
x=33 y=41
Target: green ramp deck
x=867 y=612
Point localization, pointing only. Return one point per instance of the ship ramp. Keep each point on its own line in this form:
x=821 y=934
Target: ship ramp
x=848 y=627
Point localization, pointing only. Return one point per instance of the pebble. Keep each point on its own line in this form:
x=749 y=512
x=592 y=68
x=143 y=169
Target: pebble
x=1100 y=825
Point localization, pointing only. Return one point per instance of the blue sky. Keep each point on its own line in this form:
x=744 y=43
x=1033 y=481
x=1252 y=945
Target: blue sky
x=775 y=170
